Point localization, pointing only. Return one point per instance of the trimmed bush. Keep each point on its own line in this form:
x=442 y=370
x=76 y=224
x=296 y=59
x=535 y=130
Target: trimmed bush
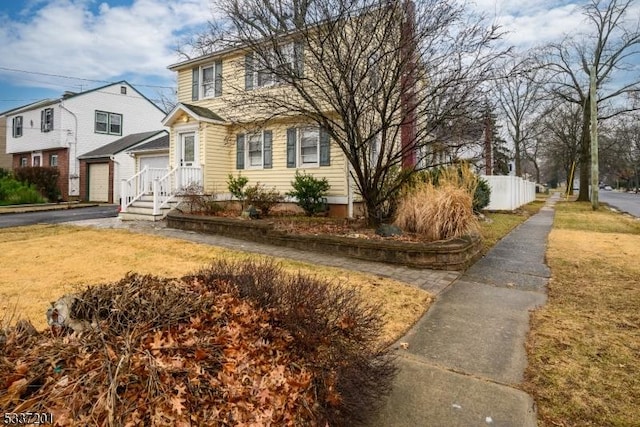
x=236 y=343
x=45 y=180
x=310 y=193
x=262 y=198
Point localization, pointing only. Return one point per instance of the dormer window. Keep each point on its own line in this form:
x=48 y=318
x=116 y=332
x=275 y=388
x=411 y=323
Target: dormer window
x=123 y=90
x=207 y=81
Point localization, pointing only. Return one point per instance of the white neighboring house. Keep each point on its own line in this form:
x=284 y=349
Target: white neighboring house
x=56 y=132
x=103 y=169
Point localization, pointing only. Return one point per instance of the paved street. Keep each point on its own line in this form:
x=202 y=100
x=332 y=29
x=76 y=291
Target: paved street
x=626 y=202
x=57 y=216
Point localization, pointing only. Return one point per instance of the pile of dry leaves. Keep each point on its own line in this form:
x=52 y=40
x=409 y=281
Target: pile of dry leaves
x=235 y=344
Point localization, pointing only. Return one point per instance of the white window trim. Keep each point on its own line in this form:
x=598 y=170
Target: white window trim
x=47 y=126
x=51 y=160
x=247 y=157
x=23 y=162
x=288 y=51
x=15 y=127
x=299 y=161
x=108 y=131
x=201 y=94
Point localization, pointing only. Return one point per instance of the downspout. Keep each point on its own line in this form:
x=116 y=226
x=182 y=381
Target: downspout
x=73 y=171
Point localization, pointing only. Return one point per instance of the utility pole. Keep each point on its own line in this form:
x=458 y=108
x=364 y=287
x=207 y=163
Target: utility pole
x=594 y=138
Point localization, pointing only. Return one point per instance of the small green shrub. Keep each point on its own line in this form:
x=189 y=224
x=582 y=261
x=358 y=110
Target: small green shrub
x=310 y=193
x=237 y=187
x=262 y=198
x=13 y=192
x=45 y=180
x=482 y=195
x=4 y=173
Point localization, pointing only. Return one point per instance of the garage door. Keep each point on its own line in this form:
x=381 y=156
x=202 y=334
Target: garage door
x=154 y=162
x=99 y=182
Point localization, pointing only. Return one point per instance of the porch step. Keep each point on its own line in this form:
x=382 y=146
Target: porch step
x=143 y=210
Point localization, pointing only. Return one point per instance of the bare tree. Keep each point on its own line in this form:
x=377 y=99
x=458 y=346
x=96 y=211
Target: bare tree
x=612 y=42
x=563 y=132
x=521 y=101
x=384 y=78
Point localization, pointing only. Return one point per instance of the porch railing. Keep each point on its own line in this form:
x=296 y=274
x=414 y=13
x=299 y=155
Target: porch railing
x=162 y=185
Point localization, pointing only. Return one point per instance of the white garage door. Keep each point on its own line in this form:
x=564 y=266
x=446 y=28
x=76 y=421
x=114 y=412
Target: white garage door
x=99 y=182
x=154 y=162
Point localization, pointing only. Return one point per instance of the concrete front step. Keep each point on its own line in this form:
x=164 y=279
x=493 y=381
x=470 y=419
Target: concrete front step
x=131 y=216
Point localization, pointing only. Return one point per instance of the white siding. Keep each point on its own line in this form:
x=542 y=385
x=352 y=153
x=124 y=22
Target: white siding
x=33 y=139
x=74 y=124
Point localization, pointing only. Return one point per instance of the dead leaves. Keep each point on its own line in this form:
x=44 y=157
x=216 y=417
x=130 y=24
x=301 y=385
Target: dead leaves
x=224 y=364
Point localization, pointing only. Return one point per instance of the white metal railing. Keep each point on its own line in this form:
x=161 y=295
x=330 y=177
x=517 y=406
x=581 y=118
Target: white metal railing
x=159 y=183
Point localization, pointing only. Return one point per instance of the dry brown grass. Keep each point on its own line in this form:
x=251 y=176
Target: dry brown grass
x=584 y=346
x=41 y=263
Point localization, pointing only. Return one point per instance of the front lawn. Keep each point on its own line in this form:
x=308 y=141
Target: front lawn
x=41 y=263
x=584 y=344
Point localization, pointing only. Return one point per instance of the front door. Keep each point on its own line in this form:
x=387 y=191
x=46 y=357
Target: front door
x=188 y=149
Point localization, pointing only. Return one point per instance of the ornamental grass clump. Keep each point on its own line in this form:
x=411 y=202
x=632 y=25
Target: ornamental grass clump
x=437 y=213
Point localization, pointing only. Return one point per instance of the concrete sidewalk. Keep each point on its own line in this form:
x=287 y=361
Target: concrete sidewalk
x=466 y=355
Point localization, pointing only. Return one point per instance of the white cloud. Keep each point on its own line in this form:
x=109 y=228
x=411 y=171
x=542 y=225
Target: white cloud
x=531 y=23
x=68 y=37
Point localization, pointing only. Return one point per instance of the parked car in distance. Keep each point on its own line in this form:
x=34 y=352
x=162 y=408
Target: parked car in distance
x=607 y=188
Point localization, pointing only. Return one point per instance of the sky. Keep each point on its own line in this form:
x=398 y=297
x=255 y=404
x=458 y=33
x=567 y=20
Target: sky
x=51 y=46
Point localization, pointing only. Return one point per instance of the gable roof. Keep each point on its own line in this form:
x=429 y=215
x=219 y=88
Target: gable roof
x=69 y=95
x=200 y=114
x=121 y=144
x=157 y=144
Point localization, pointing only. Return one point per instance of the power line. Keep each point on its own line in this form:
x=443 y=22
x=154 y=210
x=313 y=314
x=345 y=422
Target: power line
x=14 y=70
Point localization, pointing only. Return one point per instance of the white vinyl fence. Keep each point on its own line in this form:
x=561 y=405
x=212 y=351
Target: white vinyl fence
x=509 y=192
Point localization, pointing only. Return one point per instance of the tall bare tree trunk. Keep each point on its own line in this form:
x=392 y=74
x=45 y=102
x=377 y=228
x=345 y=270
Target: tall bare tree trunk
x=585 y=154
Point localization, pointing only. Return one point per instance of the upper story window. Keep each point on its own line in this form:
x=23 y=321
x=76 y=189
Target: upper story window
x=207 y=81
x=123 y=90
x=260 y=72
x=109 y=123
x=17 y=127
x=254 y=150
x=46 y=120
x=308 y=146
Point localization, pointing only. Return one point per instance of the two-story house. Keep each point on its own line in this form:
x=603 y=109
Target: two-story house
x=56 y=132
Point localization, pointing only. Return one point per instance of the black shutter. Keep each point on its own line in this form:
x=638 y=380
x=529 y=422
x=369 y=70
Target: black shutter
x=13 y=125
x=248 y=71
x=298 y=57
x=51 y=124
x=218 y=77
x=195 y=83
x=42 y=120
x=267 y=147
x=291 y=148
x=325 y=148
x=240 y=151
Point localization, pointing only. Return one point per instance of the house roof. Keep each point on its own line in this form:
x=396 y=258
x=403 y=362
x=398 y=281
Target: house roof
x=200 y=114
x=157 y=144
x=69 y=95
x=121 y=144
